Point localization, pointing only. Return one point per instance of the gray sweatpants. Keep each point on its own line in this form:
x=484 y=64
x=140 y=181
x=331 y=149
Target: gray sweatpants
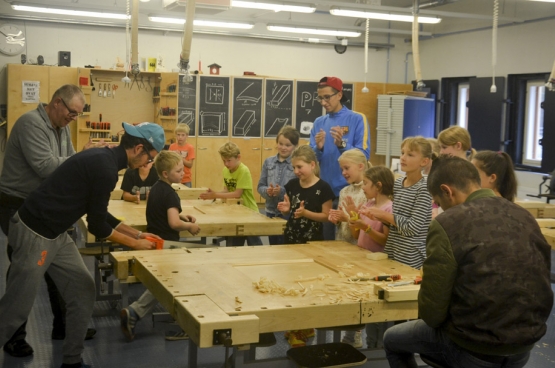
x=32 y=256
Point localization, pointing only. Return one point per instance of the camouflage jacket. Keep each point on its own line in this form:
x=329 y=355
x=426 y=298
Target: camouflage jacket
x=486 y=276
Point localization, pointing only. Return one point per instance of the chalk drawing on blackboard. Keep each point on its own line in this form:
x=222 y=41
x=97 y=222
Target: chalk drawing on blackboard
x=276 y=126
x=306 y=126
x=245 y=122
x=187 y=116
x=279 y=95
x=245 y=96
x=307 y=100
x=187 y=93
x=214 y=95
x=212 y=123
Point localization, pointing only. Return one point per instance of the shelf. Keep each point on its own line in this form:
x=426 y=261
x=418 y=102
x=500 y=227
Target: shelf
x=166 y=94
x=86 y=114
x=168 y=117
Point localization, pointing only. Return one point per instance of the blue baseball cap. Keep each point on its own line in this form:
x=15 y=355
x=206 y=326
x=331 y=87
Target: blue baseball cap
x=149 y=131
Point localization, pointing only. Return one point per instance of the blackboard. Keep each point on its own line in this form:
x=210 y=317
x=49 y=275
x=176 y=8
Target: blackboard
x=213 y=106
x=348 y=95
x=247 y=107
x=307 y=106
x=187 y=102
x=278 y=106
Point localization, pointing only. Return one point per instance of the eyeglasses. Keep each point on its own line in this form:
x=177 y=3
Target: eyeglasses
x=325 y=97
x=150 y=159
x=72 y=113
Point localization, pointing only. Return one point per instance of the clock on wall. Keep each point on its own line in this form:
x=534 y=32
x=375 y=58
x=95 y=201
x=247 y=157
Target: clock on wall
x=12 y=39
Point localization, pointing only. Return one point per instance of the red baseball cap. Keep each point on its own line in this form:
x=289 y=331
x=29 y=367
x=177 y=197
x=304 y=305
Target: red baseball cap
x=332 y=82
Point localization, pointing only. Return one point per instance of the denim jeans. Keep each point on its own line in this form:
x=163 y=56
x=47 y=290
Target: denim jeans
x=328 y=227
x=403 y=340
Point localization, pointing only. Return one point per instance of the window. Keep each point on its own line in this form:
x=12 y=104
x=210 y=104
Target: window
x=462 y=109
x=533 y=123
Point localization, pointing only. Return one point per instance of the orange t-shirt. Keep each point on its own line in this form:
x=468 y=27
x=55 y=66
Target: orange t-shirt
x=186 y=151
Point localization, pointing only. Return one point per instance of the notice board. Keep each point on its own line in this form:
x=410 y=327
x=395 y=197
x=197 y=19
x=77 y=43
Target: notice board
x=278 y=106
x=247 y=107
x=213 y=106
x=187 y=102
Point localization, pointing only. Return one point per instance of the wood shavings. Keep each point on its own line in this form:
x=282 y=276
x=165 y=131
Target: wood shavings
x=271 y=287
x=346 y=265
x=320 y=277
x=341 y=274
x=237 y=300
x=238 y=309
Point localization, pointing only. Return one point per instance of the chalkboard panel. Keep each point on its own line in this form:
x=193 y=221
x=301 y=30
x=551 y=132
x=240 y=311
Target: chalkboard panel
x=187 y=102
x=247 y=107
x=307 y=107
x=348 y=93
x=278 y=106
x=213 y=106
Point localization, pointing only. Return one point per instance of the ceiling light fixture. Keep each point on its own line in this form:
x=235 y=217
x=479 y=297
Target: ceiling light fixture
x=202 y=23
x=312 y=31
x=381 y=16
x=544 y=1
x=77 y=13
x=276 y=7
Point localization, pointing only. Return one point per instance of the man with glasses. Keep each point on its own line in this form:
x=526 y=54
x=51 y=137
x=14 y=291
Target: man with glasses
x=334 y=133
x=39 y=142
x=78 y=187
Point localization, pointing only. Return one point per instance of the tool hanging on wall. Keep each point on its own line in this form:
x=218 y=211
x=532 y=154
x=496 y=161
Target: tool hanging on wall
x=114 y=88
x=109 y=90
x=105 y=92
x=99 y=89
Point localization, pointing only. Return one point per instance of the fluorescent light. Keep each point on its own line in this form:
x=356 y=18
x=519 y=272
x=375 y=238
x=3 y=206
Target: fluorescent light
x=382 y=16
x=78 y=13
x=202 y=23
x=313 y=31
x=277 y=7
x=545 y=1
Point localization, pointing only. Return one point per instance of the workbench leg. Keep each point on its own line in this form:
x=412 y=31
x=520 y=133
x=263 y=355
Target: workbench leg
x=124 y=289
x=193 y=355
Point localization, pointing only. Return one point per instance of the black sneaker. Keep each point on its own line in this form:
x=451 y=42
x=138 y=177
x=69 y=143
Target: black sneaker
x=61 y=334
x=18 y=348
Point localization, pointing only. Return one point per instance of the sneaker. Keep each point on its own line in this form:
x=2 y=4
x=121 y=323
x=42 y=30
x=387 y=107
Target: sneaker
x=298 y=338
x=58 y=334
x=18 y=348
x=353 y=339
x=75 y=365
x=174 y=336
x=128 y=319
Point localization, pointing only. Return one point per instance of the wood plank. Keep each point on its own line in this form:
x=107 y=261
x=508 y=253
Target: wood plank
x=546 y=222
x=549 y=235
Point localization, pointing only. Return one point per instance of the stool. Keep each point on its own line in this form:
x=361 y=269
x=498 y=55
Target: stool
x=432 y=363
x=336 y=354
x=321 y=337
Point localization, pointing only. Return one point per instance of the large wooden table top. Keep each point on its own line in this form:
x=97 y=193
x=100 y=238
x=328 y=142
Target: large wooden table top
x=548 y=230
x=214 y=218
x=209 y=289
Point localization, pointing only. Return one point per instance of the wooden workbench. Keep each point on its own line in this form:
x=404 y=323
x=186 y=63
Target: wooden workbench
x=183 y=191
x=212 y=289
x=548 y=230
x=214 y=218
x=538 y=209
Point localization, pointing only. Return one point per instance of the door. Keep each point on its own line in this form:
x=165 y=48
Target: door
x=485 y=113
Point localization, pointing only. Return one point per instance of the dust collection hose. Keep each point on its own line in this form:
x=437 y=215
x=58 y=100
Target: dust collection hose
x=415 y=51
x=135 y=38
x=493 y=88
x=365 y=89
x=187 y=40
x=551 y=82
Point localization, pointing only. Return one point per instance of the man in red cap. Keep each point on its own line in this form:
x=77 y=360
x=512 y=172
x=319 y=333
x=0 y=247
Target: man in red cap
x=334 y=133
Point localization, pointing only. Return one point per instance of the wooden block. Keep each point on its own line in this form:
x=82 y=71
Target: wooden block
x=547 y=212
x=376 y=256
x=120 y=260
x=200 y=317
x=546 y=222
x=397 y=294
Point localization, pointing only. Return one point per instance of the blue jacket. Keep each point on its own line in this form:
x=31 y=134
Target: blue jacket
x=356 y=135
x=274 y=172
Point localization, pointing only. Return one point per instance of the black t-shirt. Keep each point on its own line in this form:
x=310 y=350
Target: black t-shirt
x=132 y=181
x=299 y=231
x=161 y=198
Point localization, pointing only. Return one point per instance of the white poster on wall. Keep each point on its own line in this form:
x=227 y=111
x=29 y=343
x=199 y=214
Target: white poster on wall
x=30 y=91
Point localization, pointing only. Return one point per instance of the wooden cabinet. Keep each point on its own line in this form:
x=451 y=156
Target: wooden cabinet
x=209 y=163
x=165 y=104
x=251 y=156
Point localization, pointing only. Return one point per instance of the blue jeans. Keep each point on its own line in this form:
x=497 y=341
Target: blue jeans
x=275 y=239
x=403 y=340
x=328 y=227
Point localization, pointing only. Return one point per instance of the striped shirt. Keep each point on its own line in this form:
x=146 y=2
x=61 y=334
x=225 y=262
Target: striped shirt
x=412 y=211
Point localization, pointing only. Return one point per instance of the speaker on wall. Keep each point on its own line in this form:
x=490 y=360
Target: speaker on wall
x=64 y=58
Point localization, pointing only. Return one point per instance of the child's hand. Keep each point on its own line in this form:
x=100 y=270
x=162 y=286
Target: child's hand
x=300 y=211
x=194 y=229
x=270 y=190
x=210 y=194
x=284 y=206
x=372 y=213
x=358 y=224
x=338 y=215
x=138 y=200
x=189 y=218
x=277 y=190
x=349 y=205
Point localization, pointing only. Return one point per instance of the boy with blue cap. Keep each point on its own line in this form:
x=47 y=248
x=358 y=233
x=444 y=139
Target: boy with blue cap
x=80 y=186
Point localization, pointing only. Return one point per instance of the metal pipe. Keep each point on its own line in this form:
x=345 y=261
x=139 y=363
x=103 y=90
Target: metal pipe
x=187 y=39
x=415 y=50
x=135 y=38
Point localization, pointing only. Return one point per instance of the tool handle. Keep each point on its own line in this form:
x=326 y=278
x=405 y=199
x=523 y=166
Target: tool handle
x=388 y=278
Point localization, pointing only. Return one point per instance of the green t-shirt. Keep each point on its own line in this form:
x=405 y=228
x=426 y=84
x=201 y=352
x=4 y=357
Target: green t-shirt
x=241 y=179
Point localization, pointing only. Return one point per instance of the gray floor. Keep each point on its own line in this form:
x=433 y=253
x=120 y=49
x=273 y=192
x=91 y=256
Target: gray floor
x=109 y=348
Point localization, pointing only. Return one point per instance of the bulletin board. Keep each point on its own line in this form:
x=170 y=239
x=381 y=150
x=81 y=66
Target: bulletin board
x=278 y=106
x=187 y=102
x=247 y=107
x=213 y=106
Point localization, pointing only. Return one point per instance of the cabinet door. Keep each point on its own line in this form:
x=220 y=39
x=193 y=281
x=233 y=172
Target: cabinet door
x=269 y=148
x=251 y=156
x=209 y=164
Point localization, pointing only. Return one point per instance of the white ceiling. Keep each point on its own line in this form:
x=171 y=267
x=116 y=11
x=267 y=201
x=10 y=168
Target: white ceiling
x=457 y=15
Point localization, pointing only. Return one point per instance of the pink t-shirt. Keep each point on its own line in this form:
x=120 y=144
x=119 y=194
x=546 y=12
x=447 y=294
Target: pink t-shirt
x=186 y=151
x=364 y=240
